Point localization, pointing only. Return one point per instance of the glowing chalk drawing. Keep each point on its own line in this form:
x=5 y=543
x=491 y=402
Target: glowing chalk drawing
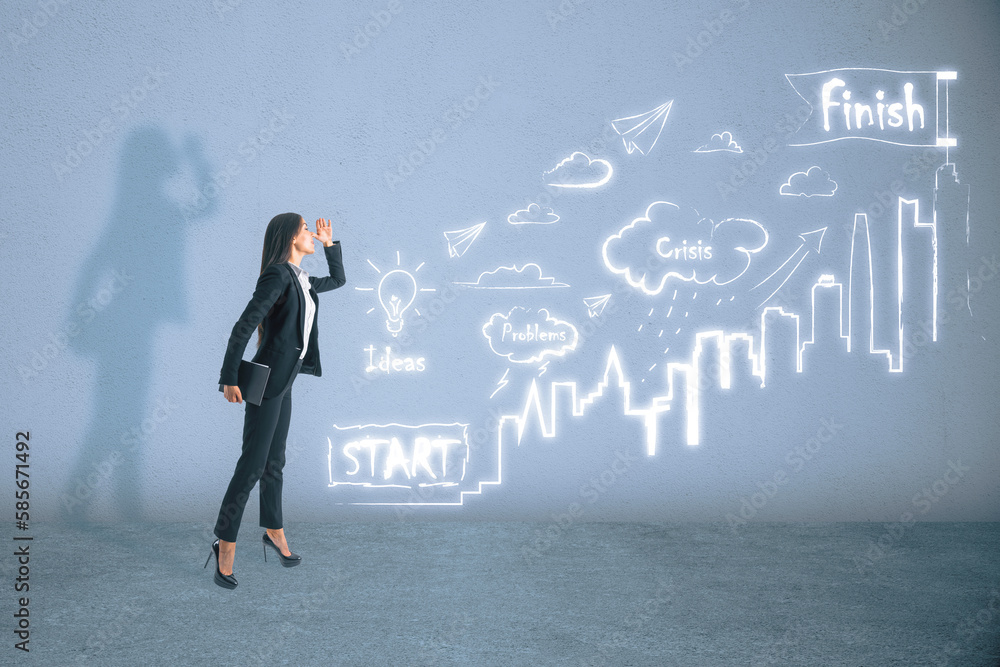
x=501 y=383
x=811 y=241
x=392 y=364
x=951 y=221
x=640 y=132
x=697 y=249
x=778 y=315
x=460 y=240
x=386 y=462
x=826 y=294
x=826 y=283
x=860 y=307
x=533 y=215
x=933 y=231
x=689 y=372
x=861 y=315
x=580 y=171
x=533 y=404
x=396 y=292
x=596 y=304
x=526 y=336
x=914 y=205
x=813 y=182
x=895 y=119
x=686 y=375
x=720 y=142
x=382 y=447
x=874 y=104
x=394 y=460
x=528 y=276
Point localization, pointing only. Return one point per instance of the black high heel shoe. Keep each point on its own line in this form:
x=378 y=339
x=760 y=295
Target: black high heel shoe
x=288 y=561
x=224 y=580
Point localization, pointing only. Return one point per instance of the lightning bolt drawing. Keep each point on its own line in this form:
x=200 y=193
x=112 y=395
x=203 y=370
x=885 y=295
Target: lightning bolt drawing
x=501 y=383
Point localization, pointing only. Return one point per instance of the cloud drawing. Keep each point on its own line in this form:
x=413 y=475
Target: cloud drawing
x=814 y=182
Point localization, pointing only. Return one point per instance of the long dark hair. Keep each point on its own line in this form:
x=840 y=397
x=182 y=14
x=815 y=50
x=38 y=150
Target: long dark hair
x=278 y=246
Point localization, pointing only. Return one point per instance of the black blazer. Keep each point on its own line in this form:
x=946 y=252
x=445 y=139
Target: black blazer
x=277 y=301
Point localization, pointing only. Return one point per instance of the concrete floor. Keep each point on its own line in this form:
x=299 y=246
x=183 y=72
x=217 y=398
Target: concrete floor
x=444 y=593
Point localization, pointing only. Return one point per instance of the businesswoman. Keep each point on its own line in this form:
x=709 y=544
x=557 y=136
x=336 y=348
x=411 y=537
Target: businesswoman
x=284 y=311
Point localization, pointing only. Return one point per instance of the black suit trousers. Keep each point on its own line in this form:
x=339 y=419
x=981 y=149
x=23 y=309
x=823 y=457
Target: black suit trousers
x=265 y=428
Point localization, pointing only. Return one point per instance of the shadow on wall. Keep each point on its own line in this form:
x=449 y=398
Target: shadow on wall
x=130 y=284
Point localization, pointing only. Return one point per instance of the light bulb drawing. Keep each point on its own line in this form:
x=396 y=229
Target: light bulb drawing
x=396 y=292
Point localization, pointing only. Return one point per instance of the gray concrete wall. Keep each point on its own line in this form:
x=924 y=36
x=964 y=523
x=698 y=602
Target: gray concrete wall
x=147 y=146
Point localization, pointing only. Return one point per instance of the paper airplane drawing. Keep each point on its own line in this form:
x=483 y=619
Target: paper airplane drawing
x=460 y=239
x=641 y=131
x=595 y=304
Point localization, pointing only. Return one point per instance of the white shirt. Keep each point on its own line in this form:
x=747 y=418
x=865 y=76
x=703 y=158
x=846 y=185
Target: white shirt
x=310 y=306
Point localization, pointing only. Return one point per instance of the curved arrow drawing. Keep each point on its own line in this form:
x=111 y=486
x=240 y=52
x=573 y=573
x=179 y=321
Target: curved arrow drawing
x=810 y=241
